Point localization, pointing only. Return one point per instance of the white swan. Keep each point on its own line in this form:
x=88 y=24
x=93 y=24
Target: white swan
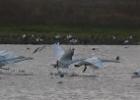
x=64 y=59
x=7 y=57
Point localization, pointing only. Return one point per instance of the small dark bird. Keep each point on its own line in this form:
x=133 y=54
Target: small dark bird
x=117 y=58
x=28 y=48
x=60 y=82
x=93 y=48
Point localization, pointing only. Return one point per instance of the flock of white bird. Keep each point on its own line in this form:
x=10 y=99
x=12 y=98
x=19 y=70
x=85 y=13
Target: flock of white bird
x=64 y=59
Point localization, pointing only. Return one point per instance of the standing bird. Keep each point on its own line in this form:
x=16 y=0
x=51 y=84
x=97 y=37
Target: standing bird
x=7 y=57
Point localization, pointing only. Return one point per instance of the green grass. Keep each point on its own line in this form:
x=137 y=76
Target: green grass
x=86 y=34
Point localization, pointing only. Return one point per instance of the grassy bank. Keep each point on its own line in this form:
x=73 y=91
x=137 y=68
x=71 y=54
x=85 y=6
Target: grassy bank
x=84 y=34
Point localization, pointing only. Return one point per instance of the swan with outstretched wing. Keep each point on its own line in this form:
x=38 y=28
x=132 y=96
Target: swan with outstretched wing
x=94 y=62
x=64 y=59
x=7 y=57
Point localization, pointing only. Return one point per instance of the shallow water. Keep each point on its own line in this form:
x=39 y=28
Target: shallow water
x=113 y=82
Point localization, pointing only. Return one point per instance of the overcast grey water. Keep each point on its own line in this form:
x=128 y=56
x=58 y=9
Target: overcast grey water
x=34 y=82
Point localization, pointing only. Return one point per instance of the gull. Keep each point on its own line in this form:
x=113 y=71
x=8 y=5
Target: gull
x=7 y=57
x=58 y=36
x=64 y=59
x=73 y=41
x=69 y=36
x=114 y=37
x=130 y=37
x=24 y=36
x=126 y=41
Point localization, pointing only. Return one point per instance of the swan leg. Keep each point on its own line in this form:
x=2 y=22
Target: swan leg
x=84 y=69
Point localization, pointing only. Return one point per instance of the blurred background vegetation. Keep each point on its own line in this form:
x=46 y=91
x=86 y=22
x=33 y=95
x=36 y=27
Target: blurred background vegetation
x=90 y=21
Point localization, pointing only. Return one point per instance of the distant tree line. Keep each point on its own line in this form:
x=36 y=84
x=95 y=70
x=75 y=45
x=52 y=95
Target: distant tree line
x=77 y=12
